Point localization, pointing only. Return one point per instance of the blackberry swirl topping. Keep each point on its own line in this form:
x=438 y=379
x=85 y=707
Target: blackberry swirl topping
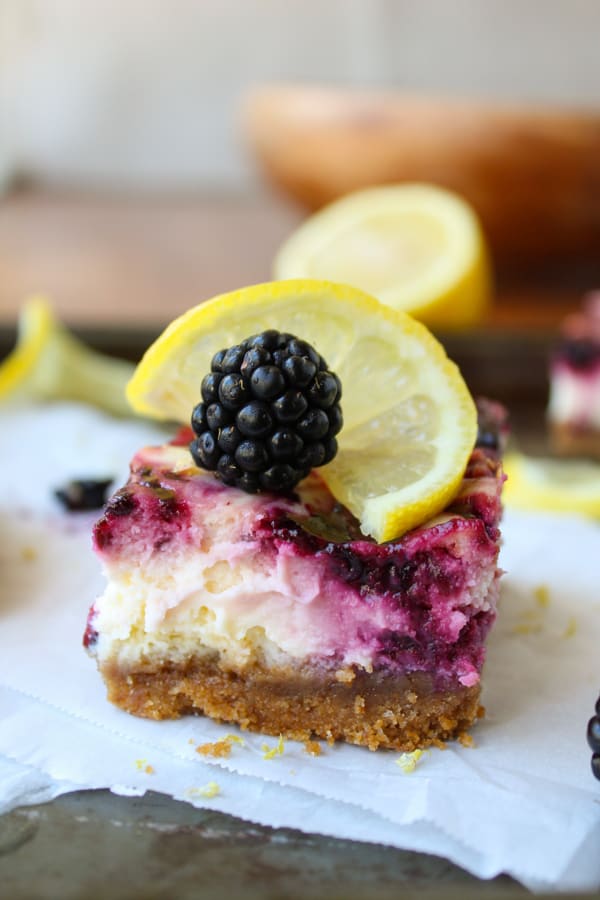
x=270 y=413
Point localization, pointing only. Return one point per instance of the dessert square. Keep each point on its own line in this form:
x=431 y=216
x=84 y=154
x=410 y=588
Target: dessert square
x=275 y=612
x=574 y=404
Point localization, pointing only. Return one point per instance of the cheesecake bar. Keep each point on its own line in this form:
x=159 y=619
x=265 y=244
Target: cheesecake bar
x=574 y=405
x=276 y=613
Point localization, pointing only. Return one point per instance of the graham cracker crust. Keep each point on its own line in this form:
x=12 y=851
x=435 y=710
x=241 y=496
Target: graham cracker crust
x=570 y=441
x=370 y=709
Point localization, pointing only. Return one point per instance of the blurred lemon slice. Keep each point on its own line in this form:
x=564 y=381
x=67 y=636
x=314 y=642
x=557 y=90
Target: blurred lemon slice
x=415 y=247
x=410 y=423
x=49 y=363
x=553 y=485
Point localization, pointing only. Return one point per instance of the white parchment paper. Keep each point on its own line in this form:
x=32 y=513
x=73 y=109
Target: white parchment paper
x=522 y=801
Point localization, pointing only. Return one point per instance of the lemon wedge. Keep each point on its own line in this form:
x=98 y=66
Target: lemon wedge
x=553 y=485
x=415 y=247
x=49 y=363
x=410 y=423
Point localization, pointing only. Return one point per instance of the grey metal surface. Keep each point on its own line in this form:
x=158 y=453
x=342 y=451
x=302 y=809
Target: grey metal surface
x=94 y=844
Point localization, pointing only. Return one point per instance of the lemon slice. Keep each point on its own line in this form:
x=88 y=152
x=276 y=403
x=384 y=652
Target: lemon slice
x=410 y=423
x=415 y=247
x=49 y=363
x=553 y=485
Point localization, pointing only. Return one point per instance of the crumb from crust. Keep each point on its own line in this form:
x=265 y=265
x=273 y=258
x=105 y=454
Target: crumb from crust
x=359 y=705
x=480 y=711
x=571 y=629
x=149 y=770
x=542 y=595
x=143 y=766
x=447 y=723
x=218 y=749
x=466 y=740
x=313 y=748
x=345 y=676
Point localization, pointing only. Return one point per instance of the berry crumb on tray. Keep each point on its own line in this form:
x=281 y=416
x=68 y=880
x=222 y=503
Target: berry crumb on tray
x=247 y=584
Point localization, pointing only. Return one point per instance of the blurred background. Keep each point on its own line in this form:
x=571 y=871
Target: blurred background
x=129 y=187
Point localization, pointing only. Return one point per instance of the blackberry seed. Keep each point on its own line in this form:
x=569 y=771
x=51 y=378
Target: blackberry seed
x=232 y=391
x=210 y=387
x=284 y=339
x=199 y=418
x=251 y=456
x=267 y=382
x=205 y=451
x=217 y=417
x=312 y=456
x=301 y=348
x=336 y=420
x=280 y=477
x=266 y=340
x=249 y=482
x=285 y=444
x=290 y=406
x=314 y=425
x=254 y=419
x=217 y=361
x=331 y=448
x=229 y=438
x=254 y=358
x=324 y=390
x=228 y=469
x=233 y=359
x=298 y=370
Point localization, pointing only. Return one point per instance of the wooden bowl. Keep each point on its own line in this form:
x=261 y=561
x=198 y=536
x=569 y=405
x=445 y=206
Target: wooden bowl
x=532 y=173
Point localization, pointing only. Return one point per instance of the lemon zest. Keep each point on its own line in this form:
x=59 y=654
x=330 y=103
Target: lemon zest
x=209 y=790
x=408 y=762
x=542 y=595
x=272 y=752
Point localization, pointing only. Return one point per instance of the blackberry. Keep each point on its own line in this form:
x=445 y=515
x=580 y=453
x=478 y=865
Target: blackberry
x=269 y=413
x=83 y=493
x=593 y=737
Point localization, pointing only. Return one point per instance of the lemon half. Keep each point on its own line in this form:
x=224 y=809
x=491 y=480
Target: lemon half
x=409 y=420
x=415 y=247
